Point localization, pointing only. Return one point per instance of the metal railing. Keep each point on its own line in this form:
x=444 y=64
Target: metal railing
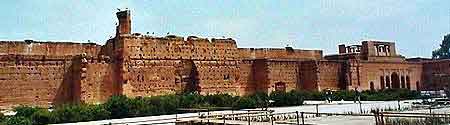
x=298 y=118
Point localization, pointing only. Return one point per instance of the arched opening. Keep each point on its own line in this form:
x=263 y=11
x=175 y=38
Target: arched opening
x=418 y=85
x=388 y=82
x=382 y=85
x=280 y=87
x=408 y=82
x=402 y=80
x=372 y=87
x=395 y=80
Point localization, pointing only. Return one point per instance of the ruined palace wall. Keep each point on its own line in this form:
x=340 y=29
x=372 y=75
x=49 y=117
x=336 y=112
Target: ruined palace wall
x=284 y=72
x=279 y=53
x=330 y=75
x=386 y=58
x=150 y=77
x=95 y=81
x=35 y=80
x=246 y=78
x=218 y=77
x=436 y=74
x=214 y=62
x=376 y=73
x=146 y=47
x=309 y=76
x=159 y=77
x=48 y=48
x=321 y=74
x=260 y=75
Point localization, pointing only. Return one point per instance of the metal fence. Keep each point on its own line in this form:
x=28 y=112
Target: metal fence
x=299 y=118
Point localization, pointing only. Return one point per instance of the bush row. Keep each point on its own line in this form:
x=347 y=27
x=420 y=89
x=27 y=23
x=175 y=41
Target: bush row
x=122 y=106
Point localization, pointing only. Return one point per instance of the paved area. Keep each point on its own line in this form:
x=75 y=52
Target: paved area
x=335 y=107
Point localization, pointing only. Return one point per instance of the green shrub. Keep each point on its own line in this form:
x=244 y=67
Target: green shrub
x=18 y=120
x=42 y=117
x=2 y=119
x=140 y=107
x=122 y=106
x=246 y=102
x=118 y=106
x=79 y=113
x=25 y=111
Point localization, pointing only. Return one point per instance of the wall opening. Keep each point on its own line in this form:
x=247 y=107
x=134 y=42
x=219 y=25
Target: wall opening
x=418 y=85
x=395 y=80
x=280 y=87
x=372 y=87
x=388 y=82
x=403 y=83
x=382 y=84
x=408 y=82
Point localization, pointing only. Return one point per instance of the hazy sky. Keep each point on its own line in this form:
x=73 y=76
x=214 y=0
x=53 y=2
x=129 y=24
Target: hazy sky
x=417 y=27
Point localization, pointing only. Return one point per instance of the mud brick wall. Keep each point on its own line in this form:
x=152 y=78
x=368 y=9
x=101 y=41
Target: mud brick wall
x=330 y=75
x=95 y=81
x=150 y=77
x=279 y=53
x=309 y=75
x=436 y=74
x=218 y=77
x=33 y=80
x=260 y=75
x=48 y=48
x=246 y=77
x=173 y=47
x=283 y=75
x=390 y=75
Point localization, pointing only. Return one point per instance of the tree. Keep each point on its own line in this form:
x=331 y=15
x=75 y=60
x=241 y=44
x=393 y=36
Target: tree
x=443 y=52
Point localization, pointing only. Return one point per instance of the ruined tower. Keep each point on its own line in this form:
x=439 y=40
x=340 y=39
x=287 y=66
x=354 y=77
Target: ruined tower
x=124 y=26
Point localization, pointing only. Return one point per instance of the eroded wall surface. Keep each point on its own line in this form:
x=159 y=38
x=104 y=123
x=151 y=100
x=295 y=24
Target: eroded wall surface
x=436 y=74
x=135 y=65
x=32 y=80
x=381 y=75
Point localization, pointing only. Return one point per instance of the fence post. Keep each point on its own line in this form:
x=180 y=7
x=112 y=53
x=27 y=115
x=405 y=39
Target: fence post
x=224 y=119
x=298 y=119
x=248 y=117
x=375 y=113
x=271 y=118
x=207 y=116
x=317 y=110
x=360 y=108
x=430 y=108
x=303 y=118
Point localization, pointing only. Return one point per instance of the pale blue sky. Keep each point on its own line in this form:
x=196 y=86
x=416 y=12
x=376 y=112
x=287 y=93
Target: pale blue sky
x=417 y=27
